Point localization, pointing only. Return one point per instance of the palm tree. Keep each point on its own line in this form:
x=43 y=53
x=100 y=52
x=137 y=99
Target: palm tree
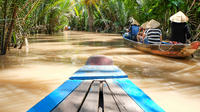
x=90 y=6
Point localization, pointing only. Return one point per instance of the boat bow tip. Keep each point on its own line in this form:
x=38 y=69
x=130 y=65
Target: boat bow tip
x=195 y=45
x=99 y=60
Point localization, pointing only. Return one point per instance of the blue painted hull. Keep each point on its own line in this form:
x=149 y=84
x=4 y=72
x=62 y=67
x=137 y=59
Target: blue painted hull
x=97 y=72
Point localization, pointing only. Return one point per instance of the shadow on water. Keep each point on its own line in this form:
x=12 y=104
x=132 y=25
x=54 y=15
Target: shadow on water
x=116 y=43
x=44 y=39
x=124 y=53
x=177 y=75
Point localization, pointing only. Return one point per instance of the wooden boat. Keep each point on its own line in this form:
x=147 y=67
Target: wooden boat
x=99 y=86
x=169 y=50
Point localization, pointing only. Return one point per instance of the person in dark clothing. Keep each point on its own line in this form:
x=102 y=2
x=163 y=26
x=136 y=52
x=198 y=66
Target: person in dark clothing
x=180 y=32
x=179 y=28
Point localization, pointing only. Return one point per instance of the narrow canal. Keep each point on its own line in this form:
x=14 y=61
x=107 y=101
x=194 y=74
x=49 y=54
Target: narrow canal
x=28 y=75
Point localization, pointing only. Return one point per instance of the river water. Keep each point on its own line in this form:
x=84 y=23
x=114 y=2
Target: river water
x=28 y=75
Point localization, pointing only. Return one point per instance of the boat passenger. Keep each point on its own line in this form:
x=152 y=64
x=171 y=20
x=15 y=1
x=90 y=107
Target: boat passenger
x=134 y=29
x=179 y=28
x=141 y=33
x=153 y=34
x=126 y=34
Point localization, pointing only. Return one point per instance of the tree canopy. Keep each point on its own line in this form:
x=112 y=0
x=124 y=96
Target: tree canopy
x=21 y=17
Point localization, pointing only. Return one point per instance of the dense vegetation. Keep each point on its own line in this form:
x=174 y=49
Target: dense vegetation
x=19 y=18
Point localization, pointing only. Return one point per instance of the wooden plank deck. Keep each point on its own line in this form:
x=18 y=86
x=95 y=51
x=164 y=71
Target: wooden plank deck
x=91 y=102
x=110 y=104
x=73 y=102
x=125 y=103
x=98 y=96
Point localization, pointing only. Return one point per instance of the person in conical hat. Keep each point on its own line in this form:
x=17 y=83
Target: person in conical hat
x=134 y=22
x=179 y=17
x=144 y=24
x=179 y=28
x=152 y=24
x=134 y=28
x=152 y=35
x=141 y=35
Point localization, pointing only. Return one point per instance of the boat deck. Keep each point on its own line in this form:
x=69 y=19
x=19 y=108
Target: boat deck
x=98 y=96
x=97 y=89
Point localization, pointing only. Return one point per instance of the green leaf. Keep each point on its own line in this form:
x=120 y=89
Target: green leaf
x=150 y=10
x=175 y=3
x=198 y=9
x=14 y=38
x=77 y=13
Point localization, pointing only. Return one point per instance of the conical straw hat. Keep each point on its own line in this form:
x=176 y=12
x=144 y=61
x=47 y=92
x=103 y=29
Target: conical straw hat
x=179 y=17
x=144 y=24
x=133 y=21
x=152 y=24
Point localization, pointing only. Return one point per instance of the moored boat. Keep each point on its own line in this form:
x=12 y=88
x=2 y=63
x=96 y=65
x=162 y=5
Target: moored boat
x=170 y=50
x=99 y=86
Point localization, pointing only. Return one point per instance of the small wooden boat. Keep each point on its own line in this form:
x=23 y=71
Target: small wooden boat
x=99 y=86
x=169 y=50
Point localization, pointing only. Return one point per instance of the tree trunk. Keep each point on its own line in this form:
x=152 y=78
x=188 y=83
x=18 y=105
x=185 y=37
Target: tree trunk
x=192 y=5
x=90 y=18
x=4 y=28
x=10 y=30
x=197 y=36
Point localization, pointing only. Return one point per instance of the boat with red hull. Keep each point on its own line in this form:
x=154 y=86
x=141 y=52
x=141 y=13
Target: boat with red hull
x=169 y=50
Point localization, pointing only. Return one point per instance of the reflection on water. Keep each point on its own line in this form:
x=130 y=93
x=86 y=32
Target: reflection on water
x=28 y=75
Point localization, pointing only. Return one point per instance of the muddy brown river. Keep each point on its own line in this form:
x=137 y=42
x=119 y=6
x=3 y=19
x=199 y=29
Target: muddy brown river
x=28 y=75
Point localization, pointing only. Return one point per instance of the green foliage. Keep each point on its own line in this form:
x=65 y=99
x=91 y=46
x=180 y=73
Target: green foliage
x=31 y=16
x=198 y=9
x=91 y=15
